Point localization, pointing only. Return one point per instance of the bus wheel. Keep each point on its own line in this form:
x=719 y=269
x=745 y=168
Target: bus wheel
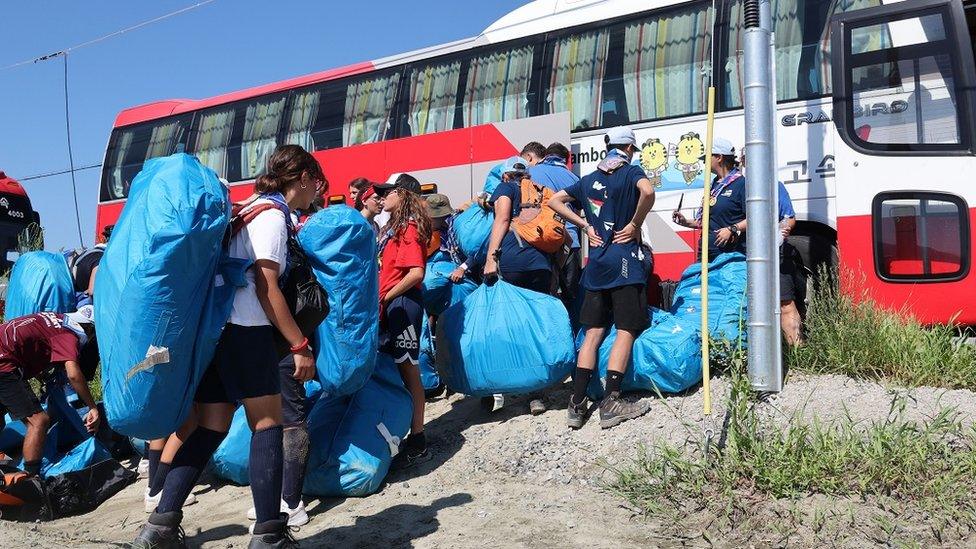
x=815 y=254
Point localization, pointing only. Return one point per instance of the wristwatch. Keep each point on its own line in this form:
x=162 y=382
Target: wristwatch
x=735 y=230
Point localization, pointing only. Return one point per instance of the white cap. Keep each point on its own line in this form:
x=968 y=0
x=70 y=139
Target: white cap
x=84 y=315
x=722 y=146
x=620 y=135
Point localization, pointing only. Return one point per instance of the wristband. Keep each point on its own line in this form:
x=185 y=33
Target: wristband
x=301 y=346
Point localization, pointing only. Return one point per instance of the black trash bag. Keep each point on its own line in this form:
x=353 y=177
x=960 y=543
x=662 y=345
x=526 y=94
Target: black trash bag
x=307 y=299
x=82 y=491
x=22 y=497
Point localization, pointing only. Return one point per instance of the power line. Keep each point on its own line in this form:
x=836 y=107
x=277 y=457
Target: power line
x=107 y=36
x=71 y=156
x=62 y=172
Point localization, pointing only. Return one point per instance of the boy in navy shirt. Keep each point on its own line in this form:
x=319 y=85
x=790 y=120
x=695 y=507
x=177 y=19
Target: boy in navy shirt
x=615 y=199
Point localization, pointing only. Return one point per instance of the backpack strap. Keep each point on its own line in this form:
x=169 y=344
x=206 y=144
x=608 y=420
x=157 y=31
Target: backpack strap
x=242 y=218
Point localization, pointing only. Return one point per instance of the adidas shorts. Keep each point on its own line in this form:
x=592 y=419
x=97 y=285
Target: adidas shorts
x=400 y=328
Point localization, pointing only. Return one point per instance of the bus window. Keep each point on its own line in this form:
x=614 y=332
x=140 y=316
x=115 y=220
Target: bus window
x=655 y=65
x=802 y=54
x=576 y=77
x=497 y=87
x=261 y=121
x=130 y=146
x=920 y=236
x=302 y=112
x=367 y=110
x=213 y=132
x=432 y=98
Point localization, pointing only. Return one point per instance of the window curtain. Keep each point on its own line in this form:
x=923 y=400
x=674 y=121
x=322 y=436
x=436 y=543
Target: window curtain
x=261 y=122
x=662 y=65
x=304 y=111
x=433 y=97
x=125 y=142
x=163 y=139
x=213 y=136
x=576 y=84
x=367 y=112
x=498 y=87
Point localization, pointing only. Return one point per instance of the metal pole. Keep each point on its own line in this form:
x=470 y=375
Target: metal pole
x=762 y=257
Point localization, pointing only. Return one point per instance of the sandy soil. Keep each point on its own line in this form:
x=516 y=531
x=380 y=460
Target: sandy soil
x=512 y=480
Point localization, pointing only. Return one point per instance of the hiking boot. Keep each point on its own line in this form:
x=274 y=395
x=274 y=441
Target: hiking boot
x=431 y=394
x=576 y=413
x=615 y=410
x=537 y=406
x=493 y=403
x=273 y=534
x=161 y=531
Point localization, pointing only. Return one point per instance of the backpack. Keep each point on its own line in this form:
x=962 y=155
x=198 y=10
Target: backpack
x=537 y=223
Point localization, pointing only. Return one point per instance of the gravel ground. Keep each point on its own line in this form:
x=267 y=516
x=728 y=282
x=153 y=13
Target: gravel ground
x=512 y=480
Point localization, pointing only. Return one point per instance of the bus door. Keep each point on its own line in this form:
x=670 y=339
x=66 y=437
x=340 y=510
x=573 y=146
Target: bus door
x=904 y=108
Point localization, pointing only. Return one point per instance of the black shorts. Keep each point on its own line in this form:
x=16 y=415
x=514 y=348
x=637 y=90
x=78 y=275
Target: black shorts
x=787 y=273
x=294 y=405
x=400 y=328
x=244 y=366
x=625 y=306
x=16 y=397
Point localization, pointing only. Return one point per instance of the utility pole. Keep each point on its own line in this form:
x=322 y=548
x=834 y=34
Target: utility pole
x=762 y=256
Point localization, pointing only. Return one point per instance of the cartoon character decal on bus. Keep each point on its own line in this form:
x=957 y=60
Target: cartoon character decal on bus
x=689 y=149
x=654 y=160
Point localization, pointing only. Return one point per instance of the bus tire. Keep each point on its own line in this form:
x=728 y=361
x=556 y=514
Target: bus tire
x=816 y=253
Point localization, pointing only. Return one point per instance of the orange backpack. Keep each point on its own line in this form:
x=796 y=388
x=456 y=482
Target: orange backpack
x=537 y=223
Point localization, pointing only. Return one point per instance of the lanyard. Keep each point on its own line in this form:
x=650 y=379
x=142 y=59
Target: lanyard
x=716 y=190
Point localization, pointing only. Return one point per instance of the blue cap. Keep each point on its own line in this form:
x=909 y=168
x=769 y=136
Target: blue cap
x=515 y=164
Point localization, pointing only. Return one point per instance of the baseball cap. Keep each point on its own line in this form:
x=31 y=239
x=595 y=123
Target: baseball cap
x=722 y=146
x=439 y=205
x=620 y=135
x=84 y=315
x=515 y=164
x=403 y=181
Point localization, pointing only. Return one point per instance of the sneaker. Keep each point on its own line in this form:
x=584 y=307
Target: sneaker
x=161 y=531
x=412 y=451
x=576 y=413
x=143 y=468
x=615 y=410
x=152 y=501
x=272 y=534
x=493 y=403
x=296 y=517
x=537 y=407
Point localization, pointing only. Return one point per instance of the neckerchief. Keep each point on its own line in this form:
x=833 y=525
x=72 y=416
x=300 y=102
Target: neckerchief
x=615 y=160
x=554 y=160
x=718 y=189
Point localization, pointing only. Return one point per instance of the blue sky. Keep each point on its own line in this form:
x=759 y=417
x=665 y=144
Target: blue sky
x=219 y=47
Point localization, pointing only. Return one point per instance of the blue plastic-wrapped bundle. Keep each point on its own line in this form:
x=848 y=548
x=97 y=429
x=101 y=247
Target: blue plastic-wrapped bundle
x=165 y=291
x=494 y=179
x=342 y=249
x=473 y=227
x=726 y=296
x=357 y=458
x=39 y=282
x=439 y=291
x=504 y=339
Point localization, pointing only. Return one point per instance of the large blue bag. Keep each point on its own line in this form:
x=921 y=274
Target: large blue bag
x=439 y=292
x=39 y=281
x=473 y=227
x=429 y=377
x=666 y=357
x=726 y=296
x=366 y=439
x=504 y=339
x=341 y=247
x=165 y=291
x=494 y=179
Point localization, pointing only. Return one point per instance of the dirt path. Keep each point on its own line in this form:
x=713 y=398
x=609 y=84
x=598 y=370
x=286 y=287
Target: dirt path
x=501 y=480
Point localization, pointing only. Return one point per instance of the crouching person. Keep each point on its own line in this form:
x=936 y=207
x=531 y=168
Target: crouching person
x=616 y=198
x=245 y=367
x=31 y=346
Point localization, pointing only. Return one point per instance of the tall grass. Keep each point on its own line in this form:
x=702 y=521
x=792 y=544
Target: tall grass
x=851 y=335
x=930 y=466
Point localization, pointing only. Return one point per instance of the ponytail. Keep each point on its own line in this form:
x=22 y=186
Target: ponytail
x=285 y=168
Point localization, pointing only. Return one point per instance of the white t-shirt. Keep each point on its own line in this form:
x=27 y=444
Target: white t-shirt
x=265 y=237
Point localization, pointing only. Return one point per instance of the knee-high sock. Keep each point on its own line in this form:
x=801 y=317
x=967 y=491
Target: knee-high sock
x=295 y=458
x=265 y=472
x=187 y=466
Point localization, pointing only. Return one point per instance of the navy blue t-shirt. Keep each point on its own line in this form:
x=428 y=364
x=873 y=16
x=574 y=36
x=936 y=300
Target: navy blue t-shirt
x=729 y=208
x=516 y=257
x=609 y=203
